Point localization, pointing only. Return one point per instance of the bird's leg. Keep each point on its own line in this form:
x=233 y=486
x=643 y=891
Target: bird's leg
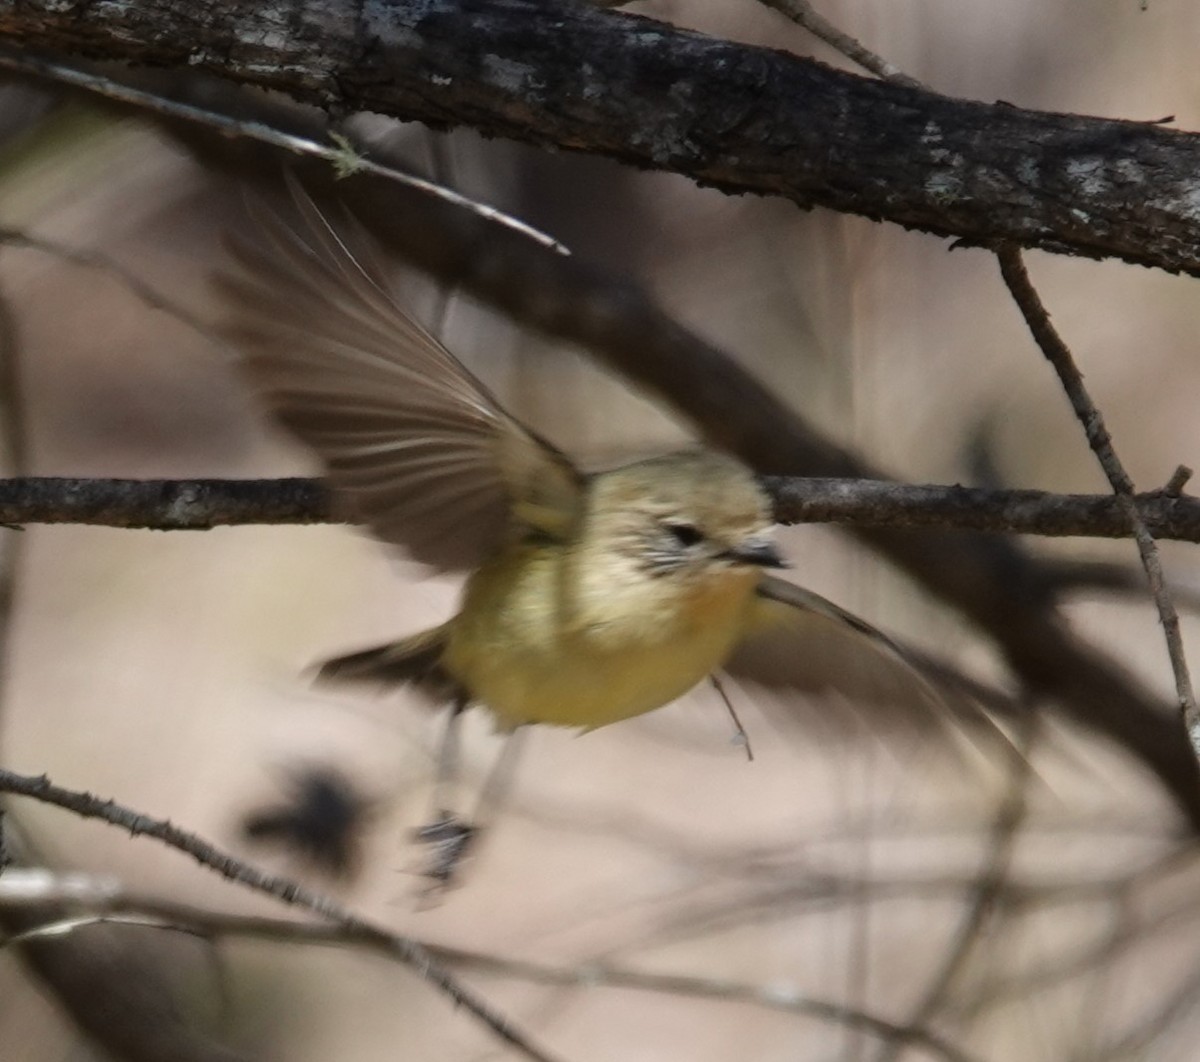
x=451 y=838
x=447 y=836
x=446 y=778
x=499 y=780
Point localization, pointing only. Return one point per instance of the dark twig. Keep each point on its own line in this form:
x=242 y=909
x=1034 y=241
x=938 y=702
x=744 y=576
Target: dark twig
x=98 y=260
x=164 y=504
x=803 y=14
x=590 y=975
x=1179 y=480
x=405 y=949
x=341 y=157
x=1012 y=267
x=199 y=504
x=879 y=503
x=85 y=900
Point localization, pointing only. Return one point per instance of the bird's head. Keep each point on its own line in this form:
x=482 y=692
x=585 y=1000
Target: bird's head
x=685 y=514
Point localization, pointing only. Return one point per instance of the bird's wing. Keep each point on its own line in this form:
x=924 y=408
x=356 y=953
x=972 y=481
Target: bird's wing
x=801 y=642
x=414 y=443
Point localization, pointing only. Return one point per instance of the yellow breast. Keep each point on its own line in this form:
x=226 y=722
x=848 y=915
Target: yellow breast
x=536 y=644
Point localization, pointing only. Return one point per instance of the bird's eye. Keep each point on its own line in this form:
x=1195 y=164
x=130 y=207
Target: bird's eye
x=686 y=534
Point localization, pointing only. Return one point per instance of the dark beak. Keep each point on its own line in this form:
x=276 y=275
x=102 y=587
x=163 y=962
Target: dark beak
x=760 y=552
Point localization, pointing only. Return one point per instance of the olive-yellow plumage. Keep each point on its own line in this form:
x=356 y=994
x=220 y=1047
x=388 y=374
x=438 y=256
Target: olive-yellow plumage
x=589 y=631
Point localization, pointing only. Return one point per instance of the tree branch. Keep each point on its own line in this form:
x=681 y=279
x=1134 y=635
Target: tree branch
x=1051 y=344
x=165 y=504
x=201 y=504
x=70 y=901
x=740 y=118
x=881 y=503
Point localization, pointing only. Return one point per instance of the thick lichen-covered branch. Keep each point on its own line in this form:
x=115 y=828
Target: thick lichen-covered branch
x=740 y=118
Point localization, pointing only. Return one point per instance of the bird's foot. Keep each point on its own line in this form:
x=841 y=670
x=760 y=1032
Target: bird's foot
x=449 y=841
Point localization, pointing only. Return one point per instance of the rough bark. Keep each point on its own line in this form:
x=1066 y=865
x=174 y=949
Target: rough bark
x=744 y=119
x=201 y=504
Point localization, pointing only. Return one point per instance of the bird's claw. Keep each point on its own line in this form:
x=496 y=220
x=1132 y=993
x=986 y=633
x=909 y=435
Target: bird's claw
x=449 y=840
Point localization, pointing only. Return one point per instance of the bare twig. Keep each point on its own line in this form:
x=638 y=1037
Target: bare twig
x=802 y=13
x=165 y=504
x=404 y=949
x=97 y=900
x=1012 y=267
x=98 y=260
x=611 y=975
x=342 y=157
x=1179 y=480
x=199 y=504
x=879 y=503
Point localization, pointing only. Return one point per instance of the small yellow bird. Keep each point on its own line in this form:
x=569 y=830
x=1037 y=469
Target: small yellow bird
x=592 y=598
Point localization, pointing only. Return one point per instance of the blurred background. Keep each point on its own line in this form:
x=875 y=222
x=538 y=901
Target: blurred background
x=859 y=893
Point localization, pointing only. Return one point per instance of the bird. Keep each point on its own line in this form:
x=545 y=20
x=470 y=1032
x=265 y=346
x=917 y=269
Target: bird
x=592 y=597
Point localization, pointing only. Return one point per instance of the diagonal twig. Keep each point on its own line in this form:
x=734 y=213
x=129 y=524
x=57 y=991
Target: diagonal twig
x=804 y=14
x=1016 y=277
x=407 y=950
x=86 y=900
x=342 y=157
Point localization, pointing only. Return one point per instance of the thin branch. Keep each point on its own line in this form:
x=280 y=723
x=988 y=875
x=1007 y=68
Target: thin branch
x=105 y=901
x=1012 y=268
x=804 y=14
x=613 y=976
x=165 y=504
x=404 y=949
x=200 y=504
x=101 y=262
x=880 y=503
x=343 y=157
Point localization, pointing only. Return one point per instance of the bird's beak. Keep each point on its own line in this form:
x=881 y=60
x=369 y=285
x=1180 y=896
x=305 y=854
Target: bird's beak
x=761 y=552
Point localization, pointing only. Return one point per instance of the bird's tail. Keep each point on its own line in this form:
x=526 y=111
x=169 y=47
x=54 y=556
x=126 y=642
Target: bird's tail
x=414 y=661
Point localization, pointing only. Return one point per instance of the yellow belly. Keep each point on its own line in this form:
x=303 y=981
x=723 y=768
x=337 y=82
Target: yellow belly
x=525 y=646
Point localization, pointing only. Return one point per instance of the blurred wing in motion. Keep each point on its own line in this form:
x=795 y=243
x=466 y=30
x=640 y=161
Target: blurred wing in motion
x=802 y=642
x=413 y=441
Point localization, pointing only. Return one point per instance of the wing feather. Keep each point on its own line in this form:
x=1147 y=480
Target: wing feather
x=800 y=642
x=412 y=441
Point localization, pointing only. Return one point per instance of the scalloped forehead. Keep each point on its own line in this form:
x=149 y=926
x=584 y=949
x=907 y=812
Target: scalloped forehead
x=696 y=485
